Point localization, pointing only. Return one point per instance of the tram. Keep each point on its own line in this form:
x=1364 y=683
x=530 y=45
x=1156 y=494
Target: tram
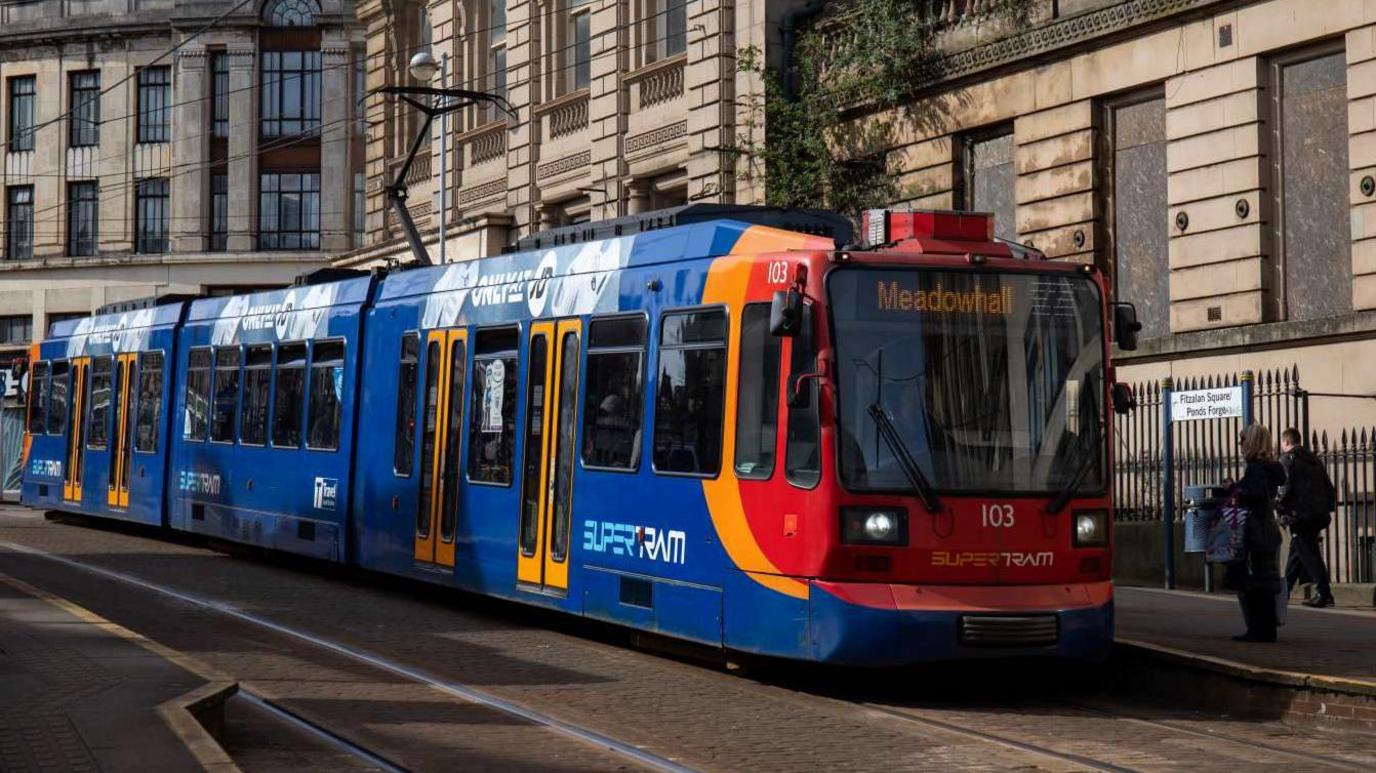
x=724 y=424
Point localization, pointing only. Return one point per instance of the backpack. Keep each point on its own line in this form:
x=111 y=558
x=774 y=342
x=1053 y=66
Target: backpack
x=1322 y=496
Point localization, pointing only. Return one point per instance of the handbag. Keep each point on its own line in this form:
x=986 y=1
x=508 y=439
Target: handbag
x=1228 y=534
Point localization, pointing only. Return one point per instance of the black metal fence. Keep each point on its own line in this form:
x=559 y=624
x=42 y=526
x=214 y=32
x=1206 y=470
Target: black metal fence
x=1206 y=452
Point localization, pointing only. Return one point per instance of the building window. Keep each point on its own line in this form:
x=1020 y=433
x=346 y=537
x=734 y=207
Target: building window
x=987 y=177
x=1136 y=233
x=496 y=55
x=219 y=212
x=690 y=393
x=152 y=216
x=289 y=211
x=23 y=91
x=155 y=96
x=578 y=49
x=615 y=393
x=64 y=316
x=85 y=106
x=664 y=30
x=290 y=93
x=360 y=90
x=219 y=88
x=1311 y=236
x=16 y=329
x=19 y=222
x=291 y=13
x=360 y=208
x=83 y=217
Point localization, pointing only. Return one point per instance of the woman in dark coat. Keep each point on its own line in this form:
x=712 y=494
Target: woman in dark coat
x=1257 y=578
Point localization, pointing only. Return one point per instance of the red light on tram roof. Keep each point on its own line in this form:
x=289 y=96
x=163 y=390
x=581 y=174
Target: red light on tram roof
x=883 y=226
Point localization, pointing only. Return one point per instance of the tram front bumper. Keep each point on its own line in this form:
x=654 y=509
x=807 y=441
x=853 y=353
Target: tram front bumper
x=878 y=624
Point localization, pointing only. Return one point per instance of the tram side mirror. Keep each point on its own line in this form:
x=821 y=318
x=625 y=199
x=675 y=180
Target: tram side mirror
x=785 y=312
x=1124 y=401
x=1125 y=326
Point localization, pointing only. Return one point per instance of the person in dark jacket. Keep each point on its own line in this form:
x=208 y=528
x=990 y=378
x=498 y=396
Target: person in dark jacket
x=1303 y=508
x=1257 y=578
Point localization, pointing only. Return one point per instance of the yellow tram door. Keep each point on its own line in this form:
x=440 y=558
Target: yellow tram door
x=76 y=430
x=437 y=512
x=550 y=449
x=121 y=402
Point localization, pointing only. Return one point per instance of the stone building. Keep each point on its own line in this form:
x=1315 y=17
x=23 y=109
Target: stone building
x=621 y=107
x=1215 y=158
x=131 y=170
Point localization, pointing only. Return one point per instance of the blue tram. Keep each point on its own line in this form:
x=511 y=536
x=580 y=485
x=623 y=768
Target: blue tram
x=682 y=424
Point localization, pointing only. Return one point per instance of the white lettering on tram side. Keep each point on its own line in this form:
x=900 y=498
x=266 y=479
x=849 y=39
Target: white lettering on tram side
x=991 y=558
x=198 y=482
x=668 y=546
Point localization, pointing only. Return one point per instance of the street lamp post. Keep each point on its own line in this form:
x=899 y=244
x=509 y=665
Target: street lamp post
x=432 y=102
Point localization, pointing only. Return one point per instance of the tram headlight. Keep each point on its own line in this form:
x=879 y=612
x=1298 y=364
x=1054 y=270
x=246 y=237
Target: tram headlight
x=1091 y=528
x=874 y=526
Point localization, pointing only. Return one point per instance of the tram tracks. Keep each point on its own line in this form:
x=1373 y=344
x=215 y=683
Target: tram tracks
x=627 y=752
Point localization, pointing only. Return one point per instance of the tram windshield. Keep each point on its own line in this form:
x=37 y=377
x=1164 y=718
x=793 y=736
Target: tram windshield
x=993 y=382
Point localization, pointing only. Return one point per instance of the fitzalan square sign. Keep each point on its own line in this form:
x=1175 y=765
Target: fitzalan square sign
x=1206 y=404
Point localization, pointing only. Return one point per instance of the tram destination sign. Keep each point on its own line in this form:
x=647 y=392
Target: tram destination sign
x=1196 y=404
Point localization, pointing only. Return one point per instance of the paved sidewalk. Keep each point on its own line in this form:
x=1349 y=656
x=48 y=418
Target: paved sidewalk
x=80 y=694
x=1334 y=643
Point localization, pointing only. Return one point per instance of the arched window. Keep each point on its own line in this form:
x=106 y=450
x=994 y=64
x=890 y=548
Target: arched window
x=290 y=13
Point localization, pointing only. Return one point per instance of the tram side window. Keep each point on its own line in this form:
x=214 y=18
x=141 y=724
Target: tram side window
x=757 y=401
x=197 y=394
x=404 y=442
x=491 y=429
x=615 y=393
x=690 y=392
x=57 y=399
x=226 y=394
x=288 y=394
x=327 y=395
x=38 y=399
x=150 y=402
x=99 y=414
x=253 y=423
x=803 y=457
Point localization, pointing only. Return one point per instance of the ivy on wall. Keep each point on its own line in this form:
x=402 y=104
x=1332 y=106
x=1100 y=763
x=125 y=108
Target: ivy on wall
x=820 y=134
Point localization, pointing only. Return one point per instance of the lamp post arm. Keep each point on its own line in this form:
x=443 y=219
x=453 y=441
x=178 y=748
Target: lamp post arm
x=398 y=191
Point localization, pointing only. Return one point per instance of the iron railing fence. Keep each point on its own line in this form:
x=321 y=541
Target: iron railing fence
x=1349 y=544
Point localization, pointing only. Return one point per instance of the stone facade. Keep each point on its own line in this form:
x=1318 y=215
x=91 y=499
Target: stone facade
x=643 y=128
x=1216 y=158
x=50 y=42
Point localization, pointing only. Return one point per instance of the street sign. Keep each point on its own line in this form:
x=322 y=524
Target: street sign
x=1197 y=404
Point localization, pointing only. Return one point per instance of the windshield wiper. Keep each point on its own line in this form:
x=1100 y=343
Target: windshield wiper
x=1063 y=496
x=894 y=441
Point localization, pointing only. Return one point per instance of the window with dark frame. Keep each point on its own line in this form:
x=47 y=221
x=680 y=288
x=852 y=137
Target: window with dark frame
x=289 y=93
x=146 y=428
x=226 y=405
x=404 y=438
x=491 y=434
x=83 y=218
x=577 y=59
x=155 y=99
x=615 y=387
x=98 y=409
x=16 y=329
x=152 y=213
x=289 y=211
x=57 y=398
x=803 y=440
x=84 y=104
x=219 y=212
x=327 y=395
x=197 y=423
x=288 y=395
x=38 y=399
x=690 y=392
x=23 y=95
x=219 y=90
x=1135 y=236
x=988 y=178
x=253 y=413
x=19 y=222
x=757 y=406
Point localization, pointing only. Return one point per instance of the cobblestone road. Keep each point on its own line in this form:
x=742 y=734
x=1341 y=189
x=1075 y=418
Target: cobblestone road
x=789 y=720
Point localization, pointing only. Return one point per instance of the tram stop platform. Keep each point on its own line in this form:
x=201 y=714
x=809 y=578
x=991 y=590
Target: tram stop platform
x=80 y=693
x=1321 y=669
